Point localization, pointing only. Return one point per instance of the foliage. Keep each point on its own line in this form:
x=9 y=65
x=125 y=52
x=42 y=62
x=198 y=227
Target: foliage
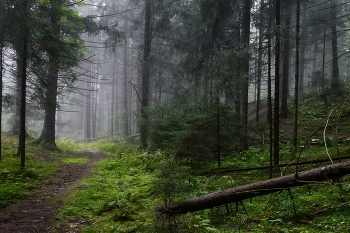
x=19 y=184
x=190 y=130
x=127 y=179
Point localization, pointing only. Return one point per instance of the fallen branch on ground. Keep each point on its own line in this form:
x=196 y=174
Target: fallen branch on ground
x=237 y=194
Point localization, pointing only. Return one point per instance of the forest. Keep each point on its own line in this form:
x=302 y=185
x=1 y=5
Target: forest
x=174 y=116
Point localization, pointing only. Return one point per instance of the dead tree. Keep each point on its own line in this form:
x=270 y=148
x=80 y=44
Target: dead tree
x=237 y=194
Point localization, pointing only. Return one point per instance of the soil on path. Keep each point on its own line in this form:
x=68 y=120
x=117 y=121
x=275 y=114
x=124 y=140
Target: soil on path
x=37 y=213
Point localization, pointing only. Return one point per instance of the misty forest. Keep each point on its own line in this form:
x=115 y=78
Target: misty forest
x=174 y=116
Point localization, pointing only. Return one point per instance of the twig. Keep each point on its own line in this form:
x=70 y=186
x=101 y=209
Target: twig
x=336 y=128
x=36 y=229
x=324 y=135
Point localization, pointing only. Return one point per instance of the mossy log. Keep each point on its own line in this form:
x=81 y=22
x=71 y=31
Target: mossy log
x=237 y=194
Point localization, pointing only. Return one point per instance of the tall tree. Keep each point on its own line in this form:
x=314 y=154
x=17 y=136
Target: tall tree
x=63 y=56
x=146 y=62
x=22 y=132
x=276 y=129
x=286 y=61
x=125 y=86
x=296 y=87
x=260 y=61
x=245 y=69
x=335 y=62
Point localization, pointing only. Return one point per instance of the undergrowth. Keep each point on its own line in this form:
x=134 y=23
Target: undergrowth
x=124 y=189
x=40 y=164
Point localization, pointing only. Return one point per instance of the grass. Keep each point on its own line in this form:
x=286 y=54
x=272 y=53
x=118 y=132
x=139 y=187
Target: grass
x=121 y=193
x=40 y=164
x=118 y=196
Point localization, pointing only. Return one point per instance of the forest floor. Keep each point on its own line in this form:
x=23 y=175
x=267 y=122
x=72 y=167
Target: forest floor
x=37 y=213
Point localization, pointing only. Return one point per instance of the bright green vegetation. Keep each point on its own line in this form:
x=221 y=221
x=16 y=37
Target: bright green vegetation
x=123 y=190
x=121 y=194
x=40 y=165
x=118 y=197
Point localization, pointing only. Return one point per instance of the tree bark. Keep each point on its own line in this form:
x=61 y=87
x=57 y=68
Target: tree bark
x=296 y=86
x=237 y=194
x=1 y=92
x=303 y=46
x=48 y=134
x=335 y=67
x=286 y=57
x=22 y=120
x=276 y=129
x=146 y=75
x=258 y=94
x=245 y=71
x=125 y=89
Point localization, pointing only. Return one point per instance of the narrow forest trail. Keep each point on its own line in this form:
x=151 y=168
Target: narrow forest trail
x=37 y=212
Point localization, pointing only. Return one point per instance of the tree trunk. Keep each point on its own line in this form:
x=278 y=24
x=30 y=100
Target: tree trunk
x=269 y=96
x=323 y=58
x=48 y=134
x=22 y=120
x=17 y=110
x=286 y=57
x=302 y=55
x=114 y=77
x=1 y=92
x=259 y=62
x=146 y=75
x=296 y=87
x=237 y=194
x=125 y=90
x=245 y=71
x=335 y=67
x=276 y=129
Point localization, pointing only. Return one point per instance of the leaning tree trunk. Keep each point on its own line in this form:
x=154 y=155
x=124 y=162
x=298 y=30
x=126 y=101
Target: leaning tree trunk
x=237 y=194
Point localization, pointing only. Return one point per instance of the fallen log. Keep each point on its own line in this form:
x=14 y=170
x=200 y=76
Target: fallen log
x=223 y=171
x=237 y=194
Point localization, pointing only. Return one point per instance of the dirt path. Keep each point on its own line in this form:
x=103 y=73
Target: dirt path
x=37 y=212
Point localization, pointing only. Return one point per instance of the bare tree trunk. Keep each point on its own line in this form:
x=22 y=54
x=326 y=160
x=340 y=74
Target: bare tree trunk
x=22 y=120
x=1 y=92
x=302 y=57
x=95 y=106
x=296 y=87
x=17 y=107
x=146 y=75
x=88 y=105
x=285 y=77
x=269 y=94
x=245 y=71
x=48 y=134
x=112 y=113
x=258 y=95
x=237 y=194
x=323 y=58
x=335 y=67
x=125 y=90
x=277 y=87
